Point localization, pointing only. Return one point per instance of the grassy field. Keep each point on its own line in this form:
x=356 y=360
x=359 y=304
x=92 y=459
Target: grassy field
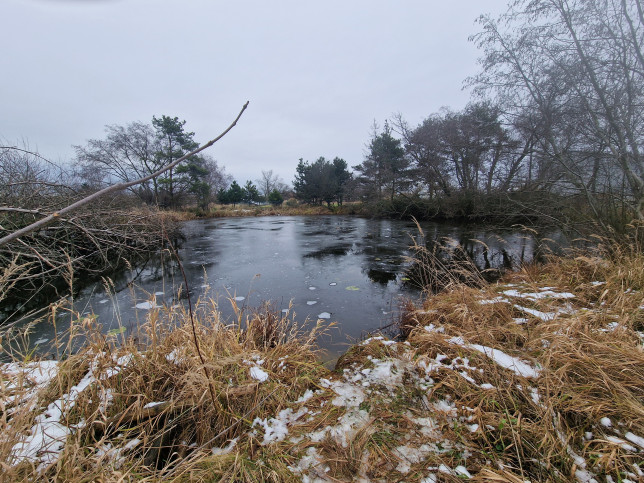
x=539 y=377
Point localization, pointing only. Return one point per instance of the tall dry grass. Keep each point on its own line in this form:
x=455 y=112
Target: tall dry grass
x=114 y=435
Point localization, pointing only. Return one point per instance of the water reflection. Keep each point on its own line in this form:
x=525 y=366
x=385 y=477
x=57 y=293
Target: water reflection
x=353 y=269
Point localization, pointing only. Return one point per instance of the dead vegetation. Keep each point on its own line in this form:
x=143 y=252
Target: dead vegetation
x=536 y=378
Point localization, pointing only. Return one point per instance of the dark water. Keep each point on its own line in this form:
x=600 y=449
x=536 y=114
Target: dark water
x=350 y=270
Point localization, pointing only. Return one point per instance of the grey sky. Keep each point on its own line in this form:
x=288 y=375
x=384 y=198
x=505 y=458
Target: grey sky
x=316 y=73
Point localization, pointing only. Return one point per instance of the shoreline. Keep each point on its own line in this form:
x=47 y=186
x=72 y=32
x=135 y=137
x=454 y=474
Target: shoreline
x=528 y=378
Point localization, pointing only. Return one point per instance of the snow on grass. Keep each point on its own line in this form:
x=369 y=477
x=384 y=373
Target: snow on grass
x=545 y=316
x=638 y=440
x=545 y=292
x=348 y=426
x=47 y=436
x=348 y=394
x=276 y=429
x=501 y=358
x=258 y=374
x=152 y=404
x=226 y=449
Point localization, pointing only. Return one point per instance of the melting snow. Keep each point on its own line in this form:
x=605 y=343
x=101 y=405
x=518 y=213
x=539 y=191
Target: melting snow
x=501 y=358
x=259 y=374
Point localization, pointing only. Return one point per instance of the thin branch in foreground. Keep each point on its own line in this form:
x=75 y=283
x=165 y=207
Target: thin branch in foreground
x=113 y=188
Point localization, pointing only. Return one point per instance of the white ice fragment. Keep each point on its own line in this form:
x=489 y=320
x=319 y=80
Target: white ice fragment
x=324 y=315
x=40 y=341
x=146 y=305
x=104 y=301
x=332 y=284
x=159 y=293
x=239 y=298
x=312 y=288
x=596 y=283
x=606 y=422
x=258 y=374
x=311 y=302
x=487 y=386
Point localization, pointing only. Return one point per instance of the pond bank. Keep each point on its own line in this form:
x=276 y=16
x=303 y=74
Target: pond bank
x=537 y=377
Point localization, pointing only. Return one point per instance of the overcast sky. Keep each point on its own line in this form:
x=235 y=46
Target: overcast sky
x=316 y=74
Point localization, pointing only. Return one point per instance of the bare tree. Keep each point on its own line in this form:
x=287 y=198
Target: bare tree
x=127 y=153
x=269 y=182
x=579 y=66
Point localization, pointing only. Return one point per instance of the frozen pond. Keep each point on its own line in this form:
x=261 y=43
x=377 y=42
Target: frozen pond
x=342 y=269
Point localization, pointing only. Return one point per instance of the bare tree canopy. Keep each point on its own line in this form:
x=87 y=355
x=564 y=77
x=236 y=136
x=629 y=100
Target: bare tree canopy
x=573 y=73
x=51 y=217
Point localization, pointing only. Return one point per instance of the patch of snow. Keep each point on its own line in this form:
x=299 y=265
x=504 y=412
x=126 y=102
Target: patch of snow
x=258 y=374
x=276 y=429
x=308 y=394
x=545 y=316
x=461 y=470
x=638 y=440
x=47 y=436
x=501 y=358
x=606 y=422
x=622 y=443
x=152 y=404
x=226 y=449
x=496 y=300
x=433 y=328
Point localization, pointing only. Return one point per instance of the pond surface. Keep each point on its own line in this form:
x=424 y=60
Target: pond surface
x=343 y=269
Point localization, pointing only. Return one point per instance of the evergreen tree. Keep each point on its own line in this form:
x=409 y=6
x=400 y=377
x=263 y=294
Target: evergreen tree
x=275 y=198
x=173 y=143
x=235 y=193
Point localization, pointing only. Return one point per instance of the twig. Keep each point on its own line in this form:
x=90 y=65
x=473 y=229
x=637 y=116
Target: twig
x=192 y=323
x=113 y=188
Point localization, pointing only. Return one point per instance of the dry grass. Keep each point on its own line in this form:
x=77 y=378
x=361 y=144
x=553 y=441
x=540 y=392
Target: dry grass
x=441 y=405
x=119 y=436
